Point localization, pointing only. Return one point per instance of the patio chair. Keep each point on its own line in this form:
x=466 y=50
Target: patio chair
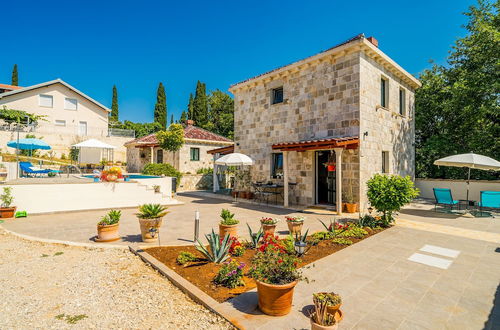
x=28 y=169
x=489 y=200
x=443 y=197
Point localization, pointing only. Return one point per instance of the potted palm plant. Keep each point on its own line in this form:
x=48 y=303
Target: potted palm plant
x=228 y=224
x=150 y=219
x=295 y=224
x=107 y=227
x=6 y=210
x=276 y=274
x=268 y=225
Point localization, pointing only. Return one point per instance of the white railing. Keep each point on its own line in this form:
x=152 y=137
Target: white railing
x=44 y=128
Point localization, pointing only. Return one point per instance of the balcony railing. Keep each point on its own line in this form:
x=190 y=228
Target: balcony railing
x=121 y=132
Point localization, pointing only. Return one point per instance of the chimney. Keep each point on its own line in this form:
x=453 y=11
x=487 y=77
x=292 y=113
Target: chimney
x=190 y=122
x=373 y=41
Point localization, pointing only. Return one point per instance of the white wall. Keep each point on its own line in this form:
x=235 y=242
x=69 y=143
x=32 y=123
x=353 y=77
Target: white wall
x=46 y=198
x=458 y=187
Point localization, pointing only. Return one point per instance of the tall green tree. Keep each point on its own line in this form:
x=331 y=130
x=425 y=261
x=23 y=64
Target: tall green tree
x=15 y=78
x=171 y=119
x=183 y=118
x=200 y=105
x=221 y=114
x=160 y=113
x=114 y=105
x=458 y=106
x=190 y=107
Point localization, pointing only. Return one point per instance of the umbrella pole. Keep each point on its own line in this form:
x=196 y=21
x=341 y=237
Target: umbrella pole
x=17 y=151
x=468 y=181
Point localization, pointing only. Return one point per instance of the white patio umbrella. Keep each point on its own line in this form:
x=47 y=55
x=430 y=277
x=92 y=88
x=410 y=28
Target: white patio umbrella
x=234 y=159
x=469 y=160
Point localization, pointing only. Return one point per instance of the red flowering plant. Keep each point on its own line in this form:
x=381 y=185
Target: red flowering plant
x=273 y=265
x=268 y=221
x=113 y=174
x=236 y=249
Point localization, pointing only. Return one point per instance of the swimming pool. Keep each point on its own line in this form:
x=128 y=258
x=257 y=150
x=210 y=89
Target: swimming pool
x=131 y=176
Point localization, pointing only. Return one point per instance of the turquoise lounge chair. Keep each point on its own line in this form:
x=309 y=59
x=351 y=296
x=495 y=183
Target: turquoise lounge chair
x=443 y=197
x=489 y=200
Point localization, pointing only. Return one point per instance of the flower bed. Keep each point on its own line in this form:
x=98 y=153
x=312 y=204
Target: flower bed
x=202 y=273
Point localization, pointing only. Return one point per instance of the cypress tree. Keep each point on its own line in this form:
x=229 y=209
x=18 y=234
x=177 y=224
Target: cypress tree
x=183 y=118
x=200 y=105
x=171 y=119
x=114 y=105
x=160 y=114
x=190 y=107
x=15 y=79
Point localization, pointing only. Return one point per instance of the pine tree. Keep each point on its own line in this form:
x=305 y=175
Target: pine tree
x=114 y=105
x=15 y=79
x=171 y=119
x=200 y=105
x=184 y=117
x=190 y=107
x=160 y=114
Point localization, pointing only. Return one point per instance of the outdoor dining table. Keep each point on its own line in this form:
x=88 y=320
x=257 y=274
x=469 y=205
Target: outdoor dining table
x=275 y=189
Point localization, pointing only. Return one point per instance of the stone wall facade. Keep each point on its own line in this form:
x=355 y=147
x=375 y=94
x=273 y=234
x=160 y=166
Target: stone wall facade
x=334 y=97
x=190 y=182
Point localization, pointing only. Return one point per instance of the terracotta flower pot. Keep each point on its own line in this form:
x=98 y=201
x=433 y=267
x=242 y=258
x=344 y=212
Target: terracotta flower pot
x=350 y=207
x=150 y=229
x=294 y=227
x=275 y=300
x=316 y=326
x=268 y=229
x=234 y=194
x=107 y=233
x=333 y=309
x=232 y=230
x=111 y=177
x=7 y=212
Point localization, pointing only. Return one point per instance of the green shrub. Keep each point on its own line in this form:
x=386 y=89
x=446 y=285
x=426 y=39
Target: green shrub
x=342 y=241
x=321 y=236
x=388 y=193
x=162 y=169
x=369 y=221
x=207 y=170
x=352 y=230
x=185 y=257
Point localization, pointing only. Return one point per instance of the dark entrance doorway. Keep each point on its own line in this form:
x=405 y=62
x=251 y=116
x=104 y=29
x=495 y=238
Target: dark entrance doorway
x=325 y=179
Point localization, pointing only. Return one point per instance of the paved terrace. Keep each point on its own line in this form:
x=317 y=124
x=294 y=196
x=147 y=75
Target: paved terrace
x=430 y=271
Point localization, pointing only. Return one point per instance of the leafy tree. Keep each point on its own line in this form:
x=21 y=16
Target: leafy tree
x=183 y=118
x=221 y=114
x=458 y=106
x=15 y=79
x=160 y=114
x=11 y=115
x=389 y=193
x=200 y=106
x=171 y=139
x=190 y=107
x=114 y=105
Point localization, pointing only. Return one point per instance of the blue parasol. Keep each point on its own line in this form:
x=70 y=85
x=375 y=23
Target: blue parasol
x=28 y=144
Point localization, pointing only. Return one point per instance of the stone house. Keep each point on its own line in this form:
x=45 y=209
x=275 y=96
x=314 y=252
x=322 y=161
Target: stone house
x=70 y=116
x=327 y=123
x=191 y=157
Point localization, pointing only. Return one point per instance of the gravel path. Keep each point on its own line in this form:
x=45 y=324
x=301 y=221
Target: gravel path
x=47 y=286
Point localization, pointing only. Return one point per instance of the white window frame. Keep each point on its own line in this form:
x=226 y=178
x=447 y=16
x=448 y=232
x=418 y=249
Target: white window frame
x=60 y=123
x=70 y=98
x=41 y=96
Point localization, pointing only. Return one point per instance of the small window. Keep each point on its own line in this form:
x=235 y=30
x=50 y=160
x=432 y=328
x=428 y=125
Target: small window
x=195 y=154
x=60 y=122
x=384 y=92
x=277 y=95
x=385 y=161
x=70 y=104
x=46 y=101
x=277 y=165
x=402 y=102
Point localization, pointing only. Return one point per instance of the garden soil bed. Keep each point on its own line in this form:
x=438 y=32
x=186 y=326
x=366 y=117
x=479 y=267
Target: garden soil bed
x=202 y=273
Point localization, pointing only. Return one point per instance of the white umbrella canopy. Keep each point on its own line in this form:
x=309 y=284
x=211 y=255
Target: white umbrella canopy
x=234 y=159
x=469 y=160
x=93 y=143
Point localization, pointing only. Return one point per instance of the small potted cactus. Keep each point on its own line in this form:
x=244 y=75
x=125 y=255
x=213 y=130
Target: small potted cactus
x=321 y=318
x=333 y=301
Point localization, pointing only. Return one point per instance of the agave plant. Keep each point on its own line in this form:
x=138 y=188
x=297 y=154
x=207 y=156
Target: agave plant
x=218 y=250
x=151 y=211
x=111 y=218
x=301 y=238
x=255 y=237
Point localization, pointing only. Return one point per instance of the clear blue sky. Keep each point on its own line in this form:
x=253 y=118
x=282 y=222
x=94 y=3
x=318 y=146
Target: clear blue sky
x=136 y=44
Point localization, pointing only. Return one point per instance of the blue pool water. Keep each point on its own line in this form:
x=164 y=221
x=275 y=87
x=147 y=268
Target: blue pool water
x=131 y=176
